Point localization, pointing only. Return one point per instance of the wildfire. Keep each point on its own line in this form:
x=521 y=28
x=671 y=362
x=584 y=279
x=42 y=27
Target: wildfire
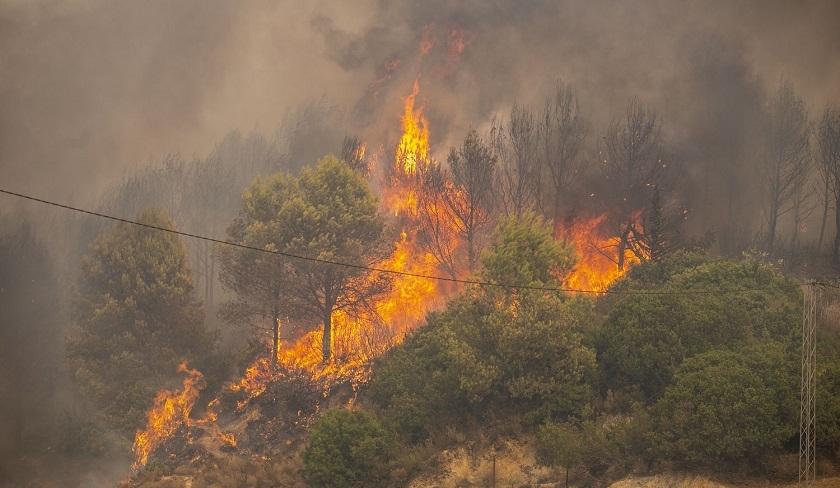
x=170 y=411
x=254 y=381
x=596 y=266
x=359 y=338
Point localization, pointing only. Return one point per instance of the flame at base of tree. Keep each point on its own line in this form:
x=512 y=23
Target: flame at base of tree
x=359 y=338
x=170 y=411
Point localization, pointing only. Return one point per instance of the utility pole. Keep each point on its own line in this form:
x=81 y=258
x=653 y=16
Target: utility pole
x=811 y=292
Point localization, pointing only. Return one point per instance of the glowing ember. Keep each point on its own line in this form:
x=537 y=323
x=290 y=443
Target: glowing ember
x=596 y=266
x=170 y=411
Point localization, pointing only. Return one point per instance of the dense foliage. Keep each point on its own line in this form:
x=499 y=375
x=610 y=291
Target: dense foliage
x=137 y=318
x=346 y=449
x=328 y=213
x=494 y=351
x=727 y=407
x=700 y=305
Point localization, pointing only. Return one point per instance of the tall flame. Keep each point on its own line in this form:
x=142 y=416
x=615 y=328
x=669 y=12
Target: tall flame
x=413 y=147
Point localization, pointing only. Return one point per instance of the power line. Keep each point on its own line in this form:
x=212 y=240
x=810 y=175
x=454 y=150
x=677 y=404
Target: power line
x=372 y=268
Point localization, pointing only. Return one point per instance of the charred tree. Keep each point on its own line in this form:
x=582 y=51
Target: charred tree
x=633 y=165
x=515 y=146
x=562 y=133
x=784 y=164
x=470 y=199
x=828 y=159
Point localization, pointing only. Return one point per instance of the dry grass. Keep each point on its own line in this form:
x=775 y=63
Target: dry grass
x=515 y=463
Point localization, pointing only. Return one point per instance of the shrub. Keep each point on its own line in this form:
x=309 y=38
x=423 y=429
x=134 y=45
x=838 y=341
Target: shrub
x=728 y=408
x=646 y=337
x=346 y=449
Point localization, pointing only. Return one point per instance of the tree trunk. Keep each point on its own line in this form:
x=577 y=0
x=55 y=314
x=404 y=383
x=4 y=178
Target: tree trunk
x=824 y=217
x=567 y=477
x=622 y=246
x=470 y=238
x=326 y=342
x=835 y=251
x=275 y=343
x=771 y=228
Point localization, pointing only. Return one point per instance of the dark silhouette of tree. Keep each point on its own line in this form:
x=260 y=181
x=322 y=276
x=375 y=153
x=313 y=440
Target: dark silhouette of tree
x=828 y=161
x=785 y=158
x=562 y=133
x=633 y=166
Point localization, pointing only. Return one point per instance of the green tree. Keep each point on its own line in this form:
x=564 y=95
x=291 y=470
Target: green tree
x=346 y=449
x=524 y=252
x=260 y=281
x=335 y=217
x=494 y=349
x=559 y=445
x=30 y=338
x=729 y=407
x=328 y=213
x=137 y=318
x=646 y=337
x=828 y=405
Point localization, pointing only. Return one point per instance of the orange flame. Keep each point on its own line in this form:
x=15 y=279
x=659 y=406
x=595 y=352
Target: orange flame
x=413 y=147
x=596 y=267
x=171 y=410
x=357 y=339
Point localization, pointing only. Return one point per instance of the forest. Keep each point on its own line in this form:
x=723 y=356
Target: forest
x=457 y=270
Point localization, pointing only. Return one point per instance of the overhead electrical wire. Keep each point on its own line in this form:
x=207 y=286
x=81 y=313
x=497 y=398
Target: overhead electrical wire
x=374 y=268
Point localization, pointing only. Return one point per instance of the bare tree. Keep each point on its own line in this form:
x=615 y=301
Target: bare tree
x=436 y=229
x=454 y=207
x=562 y=132
x=828 y=159
x=633 y=162
x=516 y=147
x=785 y=157
x=353 y=153
x=470 y=199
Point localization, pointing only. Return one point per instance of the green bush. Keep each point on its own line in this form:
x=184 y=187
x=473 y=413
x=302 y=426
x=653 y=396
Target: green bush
x=646 y=337
x=729 y=408
x=346 y=449
x=493 y=350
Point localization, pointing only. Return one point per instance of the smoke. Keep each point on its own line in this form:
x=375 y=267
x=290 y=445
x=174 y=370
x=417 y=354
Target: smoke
x=92 y=88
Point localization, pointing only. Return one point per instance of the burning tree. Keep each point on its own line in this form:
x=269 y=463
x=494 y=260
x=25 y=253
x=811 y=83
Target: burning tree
x=633 y=163
x=259 y=280
x=454 y=206
x=335 y=217
x=329 y=214
x=471 y=198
